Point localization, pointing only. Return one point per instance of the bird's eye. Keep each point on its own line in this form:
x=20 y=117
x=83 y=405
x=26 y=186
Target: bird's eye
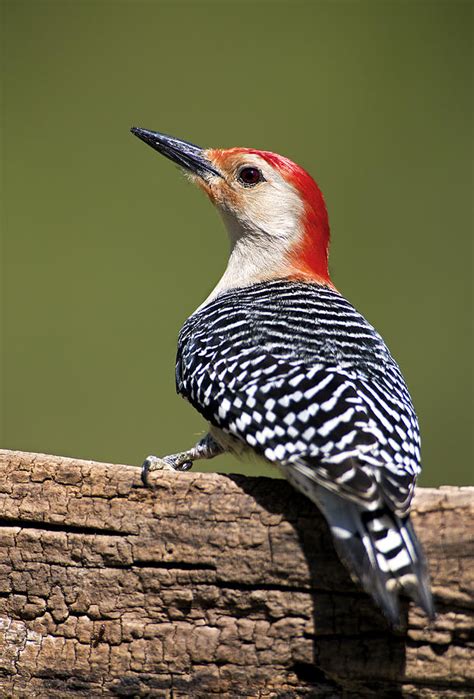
x=250 y=176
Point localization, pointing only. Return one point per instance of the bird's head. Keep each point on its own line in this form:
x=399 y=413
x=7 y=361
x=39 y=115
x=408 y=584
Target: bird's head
x=273 y=209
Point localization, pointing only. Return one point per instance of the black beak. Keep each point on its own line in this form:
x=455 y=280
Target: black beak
x=183 y=153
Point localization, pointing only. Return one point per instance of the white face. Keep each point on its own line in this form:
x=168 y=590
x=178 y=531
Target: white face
x=254 y=198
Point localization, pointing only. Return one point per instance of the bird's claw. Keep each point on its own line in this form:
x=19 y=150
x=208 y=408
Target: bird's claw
x=167 y=463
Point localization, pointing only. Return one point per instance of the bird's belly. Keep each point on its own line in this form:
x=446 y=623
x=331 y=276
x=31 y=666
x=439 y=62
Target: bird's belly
x=228 y=443
x=241 y=450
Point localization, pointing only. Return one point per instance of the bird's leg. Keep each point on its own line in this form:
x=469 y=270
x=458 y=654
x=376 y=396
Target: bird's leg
x=206 y=448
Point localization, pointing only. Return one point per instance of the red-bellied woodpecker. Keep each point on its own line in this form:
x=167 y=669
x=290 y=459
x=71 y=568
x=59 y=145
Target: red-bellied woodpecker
x=280 y=364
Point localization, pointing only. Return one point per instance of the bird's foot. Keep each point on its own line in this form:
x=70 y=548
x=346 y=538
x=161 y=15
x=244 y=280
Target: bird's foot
x=175 y=462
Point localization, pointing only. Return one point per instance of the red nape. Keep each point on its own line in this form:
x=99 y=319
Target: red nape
x=310 y=258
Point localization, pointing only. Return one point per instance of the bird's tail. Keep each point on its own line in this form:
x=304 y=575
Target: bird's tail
x=382 y=550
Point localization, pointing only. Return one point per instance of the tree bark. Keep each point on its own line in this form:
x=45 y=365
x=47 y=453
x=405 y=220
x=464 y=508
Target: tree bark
x=211 y=585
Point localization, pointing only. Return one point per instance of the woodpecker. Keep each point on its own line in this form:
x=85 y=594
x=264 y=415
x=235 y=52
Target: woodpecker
x=281 y=365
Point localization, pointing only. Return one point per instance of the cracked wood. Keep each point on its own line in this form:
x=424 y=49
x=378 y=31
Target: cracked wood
x=211 y=585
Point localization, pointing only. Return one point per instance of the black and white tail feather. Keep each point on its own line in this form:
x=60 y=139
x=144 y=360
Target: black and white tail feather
x=295 y=374
x=379 y=549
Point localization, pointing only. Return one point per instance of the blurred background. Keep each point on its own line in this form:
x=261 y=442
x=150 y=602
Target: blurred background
x=107 y=248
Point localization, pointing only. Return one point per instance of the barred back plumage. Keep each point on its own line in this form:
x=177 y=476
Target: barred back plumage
x=294 y=372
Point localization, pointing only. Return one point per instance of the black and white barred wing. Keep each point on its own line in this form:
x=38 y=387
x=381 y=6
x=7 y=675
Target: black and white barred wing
x=325 y=393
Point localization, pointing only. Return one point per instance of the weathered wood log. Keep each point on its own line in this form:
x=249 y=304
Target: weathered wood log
x=211 y=585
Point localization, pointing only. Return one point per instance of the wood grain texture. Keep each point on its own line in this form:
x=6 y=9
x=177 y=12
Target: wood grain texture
x=211 y=585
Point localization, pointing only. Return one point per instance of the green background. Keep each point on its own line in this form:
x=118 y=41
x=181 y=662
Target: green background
x=107 y=249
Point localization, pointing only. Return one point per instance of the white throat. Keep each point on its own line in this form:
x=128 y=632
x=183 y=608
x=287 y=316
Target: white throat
x=255 y=255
